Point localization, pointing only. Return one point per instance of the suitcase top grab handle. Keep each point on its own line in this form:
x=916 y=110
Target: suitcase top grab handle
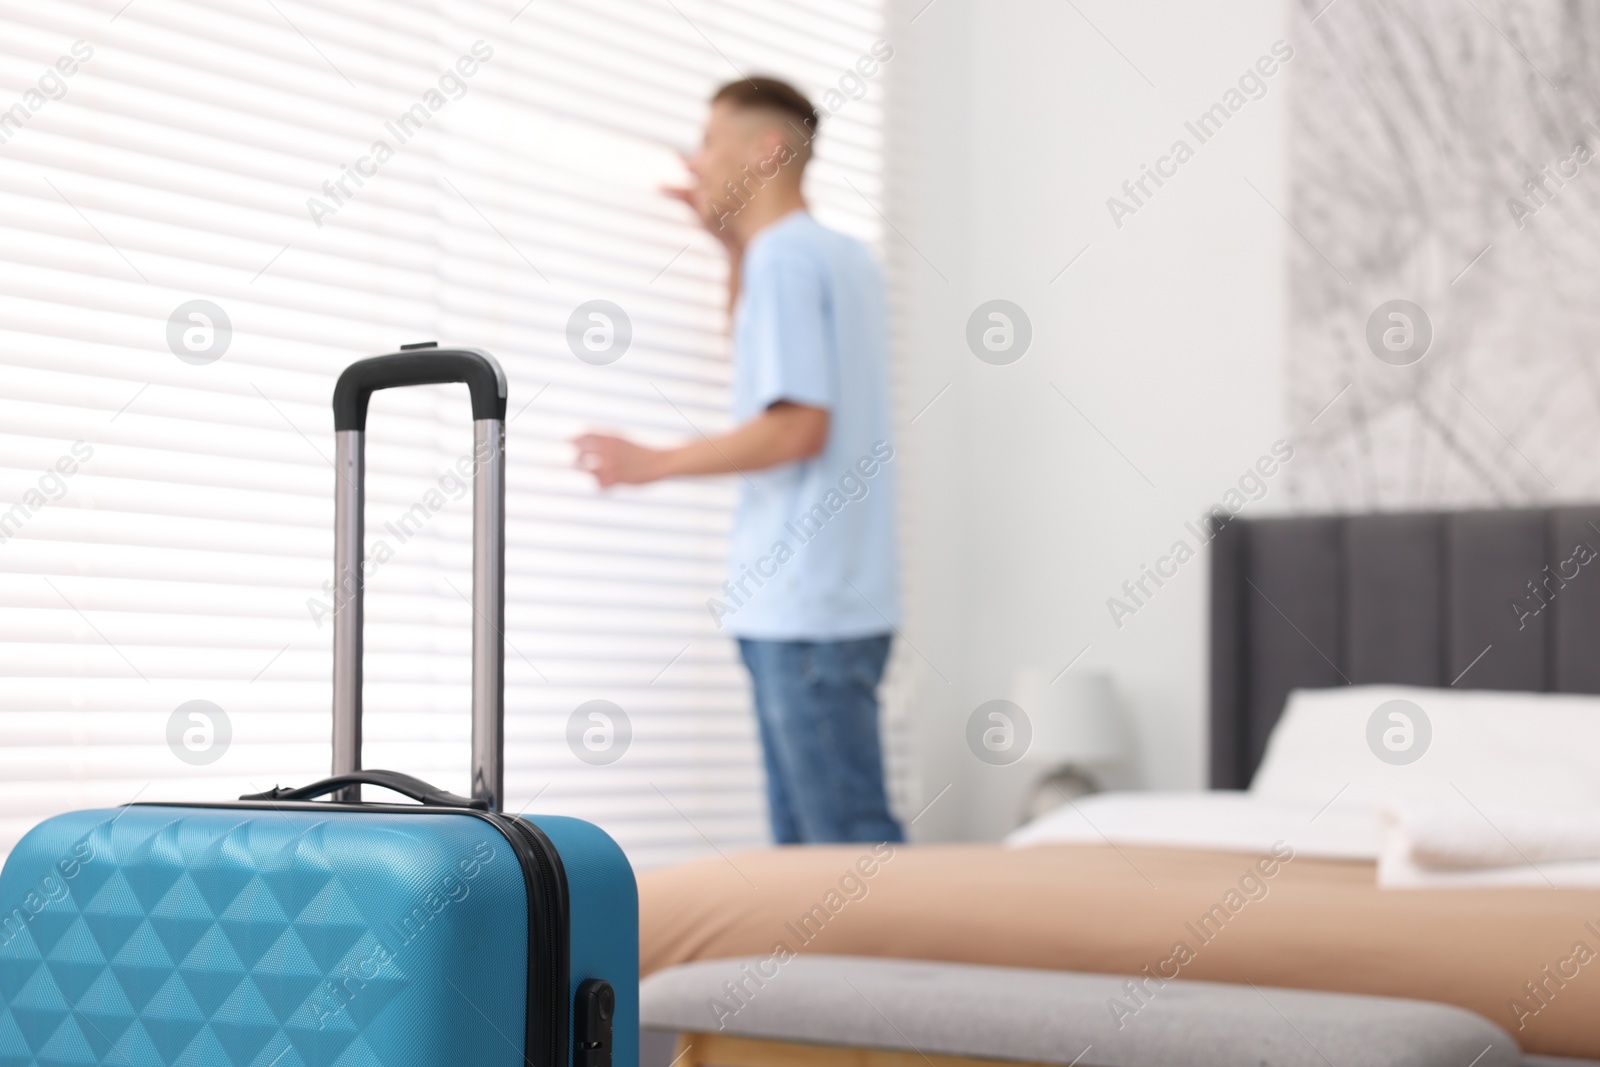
x=487 y=382
x=404 y=784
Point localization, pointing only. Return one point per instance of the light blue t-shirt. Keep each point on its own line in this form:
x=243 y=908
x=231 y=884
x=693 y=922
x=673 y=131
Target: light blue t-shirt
x=814 y=554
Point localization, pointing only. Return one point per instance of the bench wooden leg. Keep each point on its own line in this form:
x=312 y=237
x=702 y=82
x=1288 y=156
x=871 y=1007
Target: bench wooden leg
x=684 y=1054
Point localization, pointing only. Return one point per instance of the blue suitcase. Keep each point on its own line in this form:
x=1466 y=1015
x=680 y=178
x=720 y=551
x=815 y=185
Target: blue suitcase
x=284 y=930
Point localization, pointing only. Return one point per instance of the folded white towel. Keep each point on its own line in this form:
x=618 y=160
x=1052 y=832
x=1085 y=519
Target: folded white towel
x=1499 y=836
x=1462 y=845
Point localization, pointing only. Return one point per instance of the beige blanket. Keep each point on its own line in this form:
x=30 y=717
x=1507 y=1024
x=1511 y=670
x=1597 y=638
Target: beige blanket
x=1527 y=959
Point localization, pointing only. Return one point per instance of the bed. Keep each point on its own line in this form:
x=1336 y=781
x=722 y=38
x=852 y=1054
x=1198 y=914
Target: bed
x=1318 y=875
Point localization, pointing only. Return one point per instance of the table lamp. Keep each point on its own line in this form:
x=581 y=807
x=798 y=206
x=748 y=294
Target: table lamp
x=1079 y=730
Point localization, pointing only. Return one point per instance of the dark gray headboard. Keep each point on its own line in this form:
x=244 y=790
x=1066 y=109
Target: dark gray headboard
x=1411 y=598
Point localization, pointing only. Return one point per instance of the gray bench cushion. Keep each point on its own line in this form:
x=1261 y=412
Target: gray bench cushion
x=1059 y=1018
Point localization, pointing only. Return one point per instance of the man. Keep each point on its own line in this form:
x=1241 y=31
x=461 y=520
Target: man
x=812 y=595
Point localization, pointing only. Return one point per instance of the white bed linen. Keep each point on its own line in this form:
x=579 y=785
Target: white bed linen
x=1506 y=792
x=1239 y=822
x=1223 y=820
x=1490 y=748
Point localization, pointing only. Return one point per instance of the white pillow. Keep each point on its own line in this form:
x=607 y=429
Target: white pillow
x=1490 y=747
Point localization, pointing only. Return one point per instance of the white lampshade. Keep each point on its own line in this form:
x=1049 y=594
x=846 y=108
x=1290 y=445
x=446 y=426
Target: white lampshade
x=1077 y=720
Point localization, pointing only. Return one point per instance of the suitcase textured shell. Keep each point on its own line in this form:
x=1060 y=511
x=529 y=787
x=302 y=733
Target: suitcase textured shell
x=155 y=935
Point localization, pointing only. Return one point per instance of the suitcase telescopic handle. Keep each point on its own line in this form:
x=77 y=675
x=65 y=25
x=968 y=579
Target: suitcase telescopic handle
x=483 y=376
x=433 y=366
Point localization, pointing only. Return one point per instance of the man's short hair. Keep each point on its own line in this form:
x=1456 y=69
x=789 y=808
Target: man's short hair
x=777 y=97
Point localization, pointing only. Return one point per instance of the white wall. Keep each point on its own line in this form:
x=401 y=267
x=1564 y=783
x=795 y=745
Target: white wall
x=1015 y=121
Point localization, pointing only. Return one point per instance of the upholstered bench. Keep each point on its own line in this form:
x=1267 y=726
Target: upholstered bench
x=834 y=1011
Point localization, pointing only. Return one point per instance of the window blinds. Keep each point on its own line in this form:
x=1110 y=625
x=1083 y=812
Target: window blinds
x=206 y=211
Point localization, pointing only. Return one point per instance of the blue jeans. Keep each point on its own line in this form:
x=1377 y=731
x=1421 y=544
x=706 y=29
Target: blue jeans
x=817 y=709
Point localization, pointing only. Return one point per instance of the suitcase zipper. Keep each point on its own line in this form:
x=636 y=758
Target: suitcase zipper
x=544 y=1044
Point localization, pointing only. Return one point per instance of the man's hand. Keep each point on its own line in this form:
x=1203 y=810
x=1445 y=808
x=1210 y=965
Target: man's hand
x=616 y=460
x=695 y=196
x=705 y=210
x=784 y=433
x=714 y=219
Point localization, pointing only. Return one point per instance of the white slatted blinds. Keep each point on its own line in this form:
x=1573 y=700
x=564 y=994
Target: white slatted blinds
x=183 y=529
